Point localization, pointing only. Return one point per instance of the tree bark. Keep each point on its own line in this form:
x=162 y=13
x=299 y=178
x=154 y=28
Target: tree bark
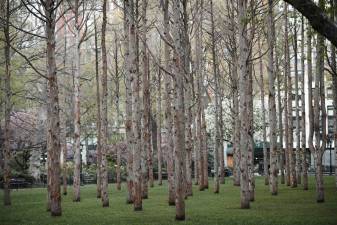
x=8 y=106
x=136 y=110
x=129 y=76
x=297 y=113
x=53 y=118
x=264 y=125
x=317 y=17
x=179 y=106
x=243 y=86
x=286 y=95
x=303 y=126
x=98 y=122
x=168 y=121
x=217 y=106
x=159 y=139
x=271 y=99
x=104 y=121
x=77 y=113
x=146 y=151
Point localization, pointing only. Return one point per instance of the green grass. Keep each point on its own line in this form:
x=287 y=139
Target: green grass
x=291 y=206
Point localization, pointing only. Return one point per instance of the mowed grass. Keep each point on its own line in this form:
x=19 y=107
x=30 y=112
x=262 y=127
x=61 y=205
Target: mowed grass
x=291 y=206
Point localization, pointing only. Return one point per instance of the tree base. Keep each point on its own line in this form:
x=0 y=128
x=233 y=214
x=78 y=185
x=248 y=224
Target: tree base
x=57 y=213
x=171 y=203
x=180 y=217
x=138 y=208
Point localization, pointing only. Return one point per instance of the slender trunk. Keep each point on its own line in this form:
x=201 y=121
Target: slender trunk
x=104 y=121
x=8 y=108
x=199 y=84
x=116 y=96
x=146 y=138
x=53 y=117
x=98 y=121
x=264 y=125
x=243 y=86
x=271 y=100
x=136 y=112
x=297 y=179
x=179 y=121
x=63 y=120
x=334 y=87
x=128 y=102
x=303 y=115
x=319 y=115
x=159 y=140
x=221 y=147
x=77 y=113
x=309 y=84
x=217 y=105
x=168 y=122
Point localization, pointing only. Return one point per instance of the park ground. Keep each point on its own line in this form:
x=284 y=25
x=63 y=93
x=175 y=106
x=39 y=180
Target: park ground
x=291 y=206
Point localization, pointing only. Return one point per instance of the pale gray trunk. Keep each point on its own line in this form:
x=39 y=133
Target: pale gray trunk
x=243 y=106
x=159 y=140
x=136 y=112
x=297 y=123
x=8 y=106
x=168 y=121
x=104 y=121
x=77 y=113
x=217 y=106
x=128 y=102
x=146 y=136
x=264 y=125
x=98 y=122
x=271 y=99
x=303 y=115
x=179 y=106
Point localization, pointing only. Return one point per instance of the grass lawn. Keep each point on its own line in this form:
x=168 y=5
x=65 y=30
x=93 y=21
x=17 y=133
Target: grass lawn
x=291 y=206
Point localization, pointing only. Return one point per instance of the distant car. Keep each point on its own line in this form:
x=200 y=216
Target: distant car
x=228 y=172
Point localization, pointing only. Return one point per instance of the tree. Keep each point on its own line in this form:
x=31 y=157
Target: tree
x=317 y=17
x=53 y=118
x=271 y=99
x=98 y=120
x=129 y=76
x=243 y=86
x=5 y=11
x=168 y=122
x=104 y=114
x=217 y=106
x=179 y=106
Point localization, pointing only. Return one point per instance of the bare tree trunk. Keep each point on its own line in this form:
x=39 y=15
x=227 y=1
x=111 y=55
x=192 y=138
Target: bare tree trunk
x=303 y=116
x=53 y=138
x=168 y=122
x=179 y=121
x=309 y=84
x=217 y=105
x=264 y=125
x=8 y=106
x=116 y=100
x=98 y=122
x=221 y=147
x=297 y=125
x=199 y=84
x=271 y=100
x=146 y=106
x=243 y=85
x=129 y=76
x=136 y=112
x=319 y=115
x=63 y=120
x=77 y=113
x=334 y=85
x=159 y=140
x=280 y=122
x=104 y=121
